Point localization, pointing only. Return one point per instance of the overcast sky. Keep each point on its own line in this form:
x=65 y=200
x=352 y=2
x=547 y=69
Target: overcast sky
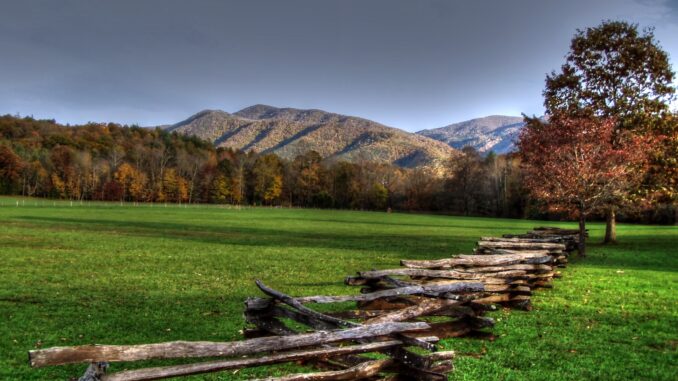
x=409 y=64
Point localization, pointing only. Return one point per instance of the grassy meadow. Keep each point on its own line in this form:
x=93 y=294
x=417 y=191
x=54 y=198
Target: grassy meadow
x=111 y=274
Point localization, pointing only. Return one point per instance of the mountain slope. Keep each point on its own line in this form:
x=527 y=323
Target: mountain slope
x=289 y=132
x=492 y=133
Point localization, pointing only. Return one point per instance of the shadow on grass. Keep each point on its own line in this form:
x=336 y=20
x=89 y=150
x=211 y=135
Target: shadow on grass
x=410 y=245
x=473 y=223
x=642 y=251
x=632 y=253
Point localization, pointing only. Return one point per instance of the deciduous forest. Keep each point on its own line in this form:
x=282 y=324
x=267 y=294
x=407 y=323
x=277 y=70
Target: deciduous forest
x=132 y=164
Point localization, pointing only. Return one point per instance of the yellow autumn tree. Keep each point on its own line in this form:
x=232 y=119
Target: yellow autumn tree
x=132 y=180
x=273 y=190
x=268 y=174
x=221 y=189
x=175 y=187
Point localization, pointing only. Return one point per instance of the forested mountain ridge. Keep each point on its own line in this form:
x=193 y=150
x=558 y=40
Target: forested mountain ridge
x=108 y=161
x=290 y=132
x=491 y=133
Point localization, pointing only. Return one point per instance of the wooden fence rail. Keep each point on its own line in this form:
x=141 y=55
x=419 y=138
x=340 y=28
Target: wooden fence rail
x=390 y=314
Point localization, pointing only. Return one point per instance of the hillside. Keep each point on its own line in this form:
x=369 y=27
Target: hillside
x=289 y=132
x=492 y=133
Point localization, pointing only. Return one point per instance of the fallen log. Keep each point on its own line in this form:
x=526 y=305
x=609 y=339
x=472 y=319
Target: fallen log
x=194 y=349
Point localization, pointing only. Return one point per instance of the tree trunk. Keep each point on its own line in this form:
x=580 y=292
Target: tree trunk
x=611 y=227
x=582 y=234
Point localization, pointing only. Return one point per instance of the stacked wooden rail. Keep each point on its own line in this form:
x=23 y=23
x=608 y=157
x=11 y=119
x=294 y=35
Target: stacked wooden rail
x=331 y=343
x=522 y=246
x=505 y=279
x=397 y=309
x=277 y=349
x=269 y=316
x=568 y=237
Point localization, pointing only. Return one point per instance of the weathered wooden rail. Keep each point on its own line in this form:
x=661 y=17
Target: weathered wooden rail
x=391 y=314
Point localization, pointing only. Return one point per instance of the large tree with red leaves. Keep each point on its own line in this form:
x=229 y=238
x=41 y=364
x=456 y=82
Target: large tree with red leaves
x=615 y=71
x=573 y=166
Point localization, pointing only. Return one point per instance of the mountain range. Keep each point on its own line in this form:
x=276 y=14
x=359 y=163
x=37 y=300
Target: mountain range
x=289 y=132
x=494 y=133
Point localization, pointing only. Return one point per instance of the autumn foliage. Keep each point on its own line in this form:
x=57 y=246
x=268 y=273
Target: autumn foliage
x=572 y=165
x=118 y=163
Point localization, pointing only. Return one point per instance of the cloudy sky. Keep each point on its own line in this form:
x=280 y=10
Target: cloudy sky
x=409 y=64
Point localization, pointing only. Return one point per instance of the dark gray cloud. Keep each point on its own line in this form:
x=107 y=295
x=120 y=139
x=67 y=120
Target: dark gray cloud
x=409 y=64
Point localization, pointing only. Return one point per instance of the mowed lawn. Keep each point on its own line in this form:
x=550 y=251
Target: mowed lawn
x=111 y=274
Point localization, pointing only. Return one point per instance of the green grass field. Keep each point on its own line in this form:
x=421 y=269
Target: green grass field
x=105 y=273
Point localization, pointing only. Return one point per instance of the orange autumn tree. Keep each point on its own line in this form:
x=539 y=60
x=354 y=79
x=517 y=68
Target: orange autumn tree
x=133 y=181
x=572 y=165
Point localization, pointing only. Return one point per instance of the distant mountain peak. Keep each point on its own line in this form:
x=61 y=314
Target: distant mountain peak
x=258 y=111
x=202 y=113
x=495 y=133
x=289 y=132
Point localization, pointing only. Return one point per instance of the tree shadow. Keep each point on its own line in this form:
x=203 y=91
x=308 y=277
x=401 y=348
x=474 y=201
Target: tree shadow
x=405 y=246
x=641 y=251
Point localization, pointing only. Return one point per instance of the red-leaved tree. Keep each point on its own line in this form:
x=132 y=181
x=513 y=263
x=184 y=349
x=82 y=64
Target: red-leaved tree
x=572 y=165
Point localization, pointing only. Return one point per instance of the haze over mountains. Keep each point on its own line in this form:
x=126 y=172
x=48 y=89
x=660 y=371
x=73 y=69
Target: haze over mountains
x=289 y=132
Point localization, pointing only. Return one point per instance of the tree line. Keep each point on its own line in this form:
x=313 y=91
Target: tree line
x=127 y=163
x=111 y=162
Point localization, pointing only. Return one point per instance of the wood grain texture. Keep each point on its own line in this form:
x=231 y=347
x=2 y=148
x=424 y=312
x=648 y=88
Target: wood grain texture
x=158 y=373
x=452 y=274
x=535 y=257
x=193 y=349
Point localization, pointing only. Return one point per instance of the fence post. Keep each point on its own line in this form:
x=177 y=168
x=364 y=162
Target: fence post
x=94 y=371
